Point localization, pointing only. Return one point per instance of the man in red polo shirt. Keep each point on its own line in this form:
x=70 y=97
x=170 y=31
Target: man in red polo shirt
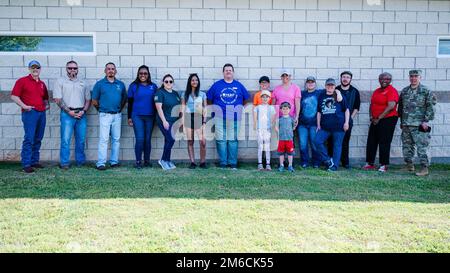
x=31 y=94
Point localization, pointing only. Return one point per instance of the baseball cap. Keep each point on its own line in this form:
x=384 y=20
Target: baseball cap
x=264 y=79
x=415 y=72
x=34 y=62
x=330 y=81
x=266 y=92
x=285 y=71
x=285 y=104
x=310 y=79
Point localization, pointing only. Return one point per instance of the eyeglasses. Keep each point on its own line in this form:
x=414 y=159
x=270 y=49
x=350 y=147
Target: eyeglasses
x=168 y=81
x=72 y=68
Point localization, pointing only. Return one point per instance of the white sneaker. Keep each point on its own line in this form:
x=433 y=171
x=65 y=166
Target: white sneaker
x=383 y=169
x=171 y=165
x=163 y=165
x=260 y=167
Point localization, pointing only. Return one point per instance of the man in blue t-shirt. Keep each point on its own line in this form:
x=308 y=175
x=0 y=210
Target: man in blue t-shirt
x=228 y=97
x=332 y=120
x=109 y=97
x=307 y=128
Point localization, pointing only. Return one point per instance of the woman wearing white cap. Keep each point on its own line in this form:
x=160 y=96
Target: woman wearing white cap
x=288 y=92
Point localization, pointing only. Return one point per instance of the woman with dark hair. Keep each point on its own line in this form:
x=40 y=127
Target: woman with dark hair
x=141 y=114
x=332 y=120
x=383 y=119
x=166 y=99
x=193 y=109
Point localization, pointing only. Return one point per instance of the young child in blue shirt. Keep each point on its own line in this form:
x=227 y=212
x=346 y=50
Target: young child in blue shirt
x=286 y=136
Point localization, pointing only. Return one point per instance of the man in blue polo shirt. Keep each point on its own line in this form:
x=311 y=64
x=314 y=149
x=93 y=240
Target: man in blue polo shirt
x=109 y=97
x=229 y=96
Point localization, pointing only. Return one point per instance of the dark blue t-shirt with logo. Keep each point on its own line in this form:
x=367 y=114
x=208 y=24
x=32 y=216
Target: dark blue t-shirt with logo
x=333 y=113
x=228 y=95
x=309 y=102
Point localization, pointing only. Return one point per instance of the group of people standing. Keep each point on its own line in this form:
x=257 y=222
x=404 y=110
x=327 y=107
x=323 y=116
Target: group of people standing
x=322 y=118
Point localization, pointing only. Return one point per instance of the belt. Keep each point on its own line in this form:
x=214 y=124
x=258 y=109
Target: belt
x=76 y=109
x=112 y=113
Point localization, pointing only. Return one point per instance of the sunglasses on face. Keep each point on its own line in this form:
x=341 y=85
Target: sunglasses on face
x=168 y=82
x=36 y=67
x=72 y=68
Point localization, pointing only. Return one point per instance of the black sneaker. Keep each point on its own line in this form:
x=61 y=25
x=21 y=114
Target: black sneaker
x=138 y=165
x=330 y=163
x=115 y=165
x=28 y=170
x=101 y=168
x=64 y=167
x=147 y=164
x=37 y=166
x=203 y=166
x=192 y=166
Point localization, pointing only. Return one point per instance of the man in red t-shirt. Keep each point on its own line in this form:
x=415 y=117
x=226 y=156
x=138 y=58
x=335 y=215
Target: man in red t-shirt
x=31 y=94
x=383 y=119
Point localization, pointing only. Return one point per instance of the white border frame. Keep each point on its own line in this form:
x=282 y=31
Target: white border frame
x=56 y=34
x=437 y=47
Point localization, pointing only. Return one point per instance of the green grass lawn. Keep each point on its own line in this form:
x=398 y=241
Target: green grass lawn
x=214 y=210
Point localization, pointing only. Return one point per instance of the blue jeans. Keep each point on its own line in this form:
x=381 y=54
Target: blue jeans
x=169 y=141
x=143 y=128
x=34 y=127
x=69 y=125
x=307 y=135
x=320 y=141
x=110 y=124
x=227 y=141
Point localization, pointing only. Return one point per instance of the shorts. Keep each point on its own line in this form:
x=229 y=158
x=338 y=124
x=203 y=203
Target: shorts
x=193 y=121
x=286 y=147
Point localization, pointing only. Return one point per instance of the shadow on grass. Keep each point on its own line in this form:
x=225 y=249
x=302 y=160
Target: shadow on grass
x=214 y=183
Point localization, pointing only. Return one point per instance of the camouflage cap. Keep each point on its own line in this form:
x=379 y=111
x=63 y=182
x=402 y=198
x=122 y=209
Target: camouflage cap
x=415 y=72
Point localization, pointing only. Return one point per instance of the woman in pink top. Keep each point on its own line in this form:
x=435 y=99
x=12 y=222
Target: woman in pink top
x=288 y=92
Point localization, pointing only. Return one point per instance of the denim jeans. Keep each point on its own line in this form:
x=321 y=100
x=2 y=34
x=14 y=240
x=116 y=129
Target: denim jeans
x=227 y=141
x=69 y=126
x=307 y=135
x=143 y=128
x=110 y=124
x=34 y=127
x=320 y=141
x=169 y=141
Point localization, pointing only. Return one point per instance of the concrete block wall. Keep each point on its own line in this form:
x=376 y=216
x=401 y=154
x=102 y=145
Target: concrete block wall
x=310 y=37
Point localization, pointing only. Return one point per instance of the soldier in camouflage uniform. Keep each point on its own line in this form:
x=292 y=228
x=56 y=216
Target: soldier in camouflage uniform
x=416 y=109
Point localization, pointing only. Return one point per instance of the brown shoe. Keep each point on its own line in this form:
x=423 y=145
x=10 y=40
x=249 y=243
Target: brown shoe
x=409 y=167
x=423 y=172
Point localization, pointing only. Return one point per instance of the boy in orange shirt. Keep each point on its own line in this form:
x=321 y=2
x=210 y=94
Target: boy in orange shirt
x=264 y=84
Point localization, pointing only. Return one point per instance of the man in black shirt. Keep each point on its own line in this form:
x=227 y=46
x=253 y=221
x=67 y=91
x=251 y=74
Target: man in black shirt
x=353 y=100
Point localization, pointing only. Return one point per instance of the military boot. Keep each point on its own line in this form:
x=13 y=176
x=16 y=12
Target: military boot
x=409 y=167
x=423 y=172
